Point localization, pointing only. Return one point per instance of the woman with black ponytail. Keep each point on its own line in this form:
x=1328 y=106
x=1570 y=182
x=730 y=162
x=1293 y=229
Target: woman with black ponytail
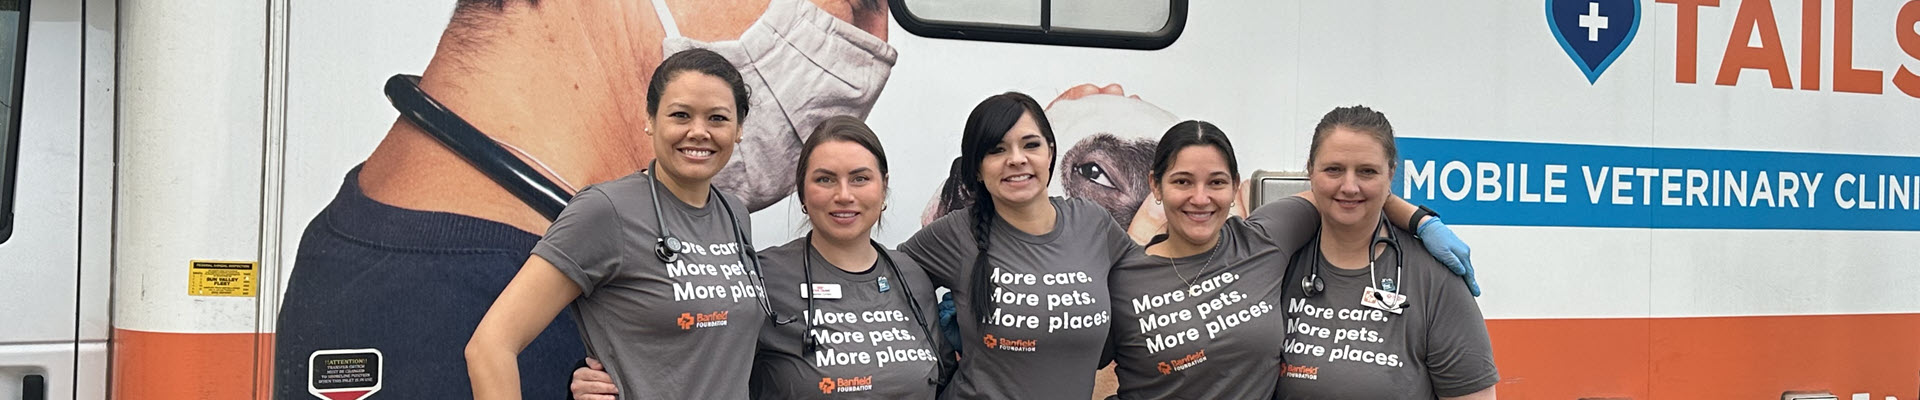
x=1029 y=272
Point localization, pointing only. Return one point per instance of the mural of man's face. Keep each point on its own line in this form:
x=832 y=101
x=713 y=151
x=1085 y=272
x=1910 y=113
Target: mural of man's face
x=1111 y=171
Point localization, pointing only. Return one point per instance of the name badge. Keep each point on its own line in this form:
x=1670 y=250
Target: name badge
x=820 y=291
x=1383 y=300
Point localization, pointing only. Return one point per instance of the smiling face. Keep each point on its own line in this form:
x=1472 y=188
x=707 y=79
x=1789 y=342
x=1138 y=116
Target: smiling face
x=1016 y=170
x=843 y=191
x=1351 y=178
x=1196 y=191
x=695 y=128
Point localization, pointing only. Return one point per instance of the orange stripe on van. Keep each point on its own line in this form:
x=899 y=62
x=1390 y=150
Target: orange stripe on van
x=1628 y=358
x=1708 y=358
x=169 y=366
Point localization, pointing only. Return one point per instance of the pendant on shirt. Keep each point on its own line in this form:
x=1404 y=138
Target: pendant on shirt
x=1383 y=300
x=884 y=287
x=820 y=291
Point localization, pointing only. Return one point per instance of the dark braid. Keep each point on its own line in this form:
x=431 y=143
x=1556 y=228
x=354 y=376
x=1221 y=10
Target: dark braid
x=983 y=215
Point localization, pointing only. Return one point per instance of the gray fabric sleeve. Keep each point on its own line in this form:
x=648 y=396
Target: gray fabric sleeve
x=1459 y=355
x=942 y=247
x=584 y=242
x=1288 y=223
x=1119 y=244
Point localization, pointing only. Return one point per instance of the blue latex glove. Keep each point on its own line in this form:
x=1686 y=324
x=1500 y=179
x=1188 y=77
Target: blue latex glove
x=948 y=326
x=1449 y=250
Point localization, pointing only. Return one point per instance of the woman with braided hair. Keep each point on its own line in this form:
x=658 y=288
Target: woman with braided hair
x=1028 y=272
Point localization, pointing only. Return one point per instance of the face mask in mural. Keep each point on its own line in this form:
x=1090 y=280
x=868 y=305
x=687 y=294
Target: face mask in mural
x=802 y=66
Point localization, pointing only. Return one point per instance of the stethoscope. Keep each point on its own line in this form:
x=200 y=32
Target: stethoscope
x=806 y=267
x=1313 y=286
x=535 y=189
x=667 y=248
x=506 y=170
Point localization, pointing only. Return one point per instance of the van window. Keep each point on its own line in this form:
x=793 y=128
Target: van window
x=13 y=61
x=1121 y=24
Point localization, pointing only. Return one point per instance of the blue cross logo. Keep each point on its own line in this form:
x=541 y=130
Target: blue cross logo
x=1593 y=32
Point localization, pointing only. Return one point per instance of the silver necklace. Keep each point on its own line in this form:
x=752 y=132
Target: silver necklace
x=1203 y=264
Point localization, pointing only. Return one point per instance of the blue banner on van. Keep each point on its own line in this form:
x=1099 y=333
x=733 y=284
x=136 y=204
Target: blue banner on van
x=1477 y=182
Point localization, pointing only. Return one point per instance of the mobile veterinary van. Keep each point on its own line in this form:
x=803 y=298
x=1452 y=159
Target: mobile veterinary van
x=1666 y=199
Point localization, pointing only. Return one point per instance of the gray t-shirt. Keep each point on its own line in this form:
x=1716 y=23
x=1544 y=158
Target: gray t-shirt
x=1204 y=326
x=1051 y=310
x=870 y=344
x=684 y=330
x=1337 y=348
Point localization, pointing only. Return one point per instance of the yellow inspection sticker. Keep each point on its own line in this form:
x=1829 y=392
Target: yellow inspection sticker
x=223 y=278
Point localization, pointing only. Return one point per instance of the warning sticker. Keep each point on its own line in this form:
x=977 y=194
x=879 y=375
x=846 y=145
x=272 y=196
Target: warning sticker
x=348 y=374
x=223 y=278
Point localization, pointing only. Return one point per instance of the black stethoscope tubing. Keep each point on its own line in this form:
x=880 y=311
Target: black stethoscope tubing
x=450 y=130
x=806 y=267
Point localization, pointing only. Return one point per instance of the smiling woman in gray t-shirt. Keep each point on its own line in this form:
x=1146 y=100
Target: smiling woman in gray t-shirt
x=1376 y=318
x=1029 y=273
x=852 y=319
x=1196 y=314
x=677 y=324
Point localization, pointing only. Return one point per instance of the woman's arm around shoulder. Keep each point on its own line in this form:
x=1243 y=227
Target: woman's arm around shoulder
x=1289 y=222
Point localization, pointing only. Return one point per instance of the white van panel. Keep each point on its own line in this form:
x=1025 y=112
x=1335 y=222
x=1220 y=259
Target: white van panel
x=41 y=258
x=191 y=126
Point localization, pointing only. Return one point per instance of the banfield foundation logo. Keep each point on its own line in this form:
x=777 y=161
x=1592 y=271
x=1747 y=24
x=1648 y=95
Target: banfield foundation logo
x=843 y=385
x=1001 y=343
x=1181 y=364
x=688 y=321
x=1593 y=32
x=1300 y=372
